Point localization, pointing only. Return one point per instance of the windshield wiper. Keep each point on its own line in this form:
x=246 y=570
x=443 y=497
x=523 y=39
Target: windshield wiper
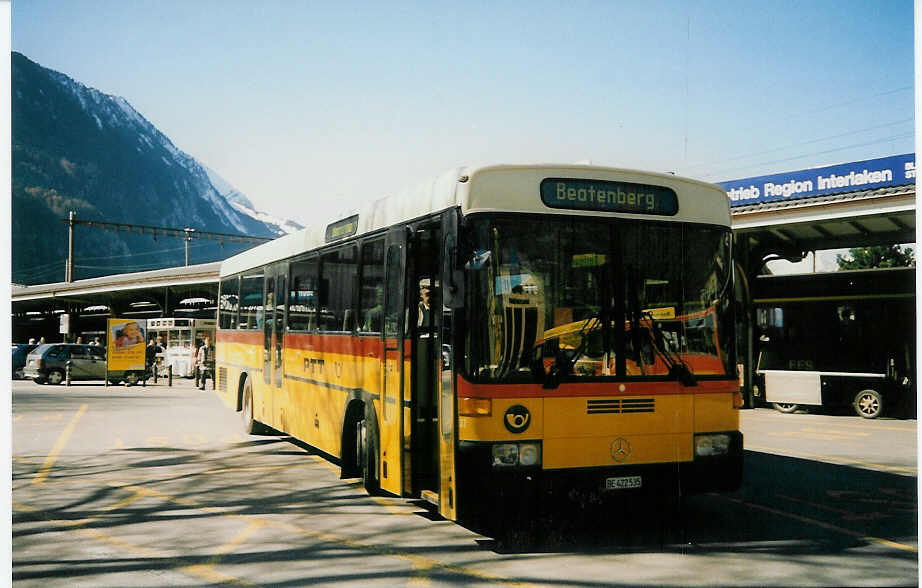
x=563 y=362
x=678 y=369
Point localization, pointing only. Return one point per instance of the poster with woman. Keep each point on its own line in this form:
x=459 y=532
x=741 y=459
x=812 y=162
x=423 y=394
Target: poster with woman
x=126 y=344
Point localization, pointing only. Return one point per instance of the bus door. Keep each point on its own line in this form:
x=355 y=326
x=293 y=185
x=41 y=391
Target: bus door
x=391 y=425
x=274 y=289
x=425 y=321
x=278 y=371
x=450 y=296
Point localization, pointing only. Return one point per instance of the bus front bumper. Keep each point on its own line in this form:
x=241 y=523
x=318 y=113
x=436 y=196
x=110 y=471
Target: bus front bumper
x=716 y=473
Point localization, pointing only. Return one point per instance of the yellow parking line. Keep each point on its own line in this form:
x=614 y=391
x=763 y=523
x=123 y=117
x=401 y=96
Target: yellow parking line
x=120 y=543
x=823 y=525
x=238 y=539
x=58 y=447
x=23 y=507
x=833 y=459
x=122 y=503
x=420 y=563
x=207 y=570
x=204 y=571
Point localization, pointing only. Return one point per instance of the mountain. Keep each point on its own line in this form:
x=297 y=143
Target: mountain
x=75 y=148
x=241 y=203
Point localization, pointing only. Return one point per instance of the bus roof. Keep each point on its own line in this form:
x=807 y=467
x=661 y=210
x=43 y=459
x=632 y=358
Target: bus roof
x=489 y=188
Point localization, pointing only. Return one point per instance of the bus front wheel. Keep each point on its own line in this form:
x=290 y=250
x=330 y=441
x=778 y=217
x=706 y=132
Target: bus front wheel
x=869 y=404
x=786 y=407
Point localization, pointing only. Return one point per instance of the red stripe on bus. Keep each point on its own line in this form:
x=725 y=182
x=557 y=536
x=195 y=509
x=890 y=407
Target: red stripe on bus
x=468 y=389
x=340 y=344
x=229 y=336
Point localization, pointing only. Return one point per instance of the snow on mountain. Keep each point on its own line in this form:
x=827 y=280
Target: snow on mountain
x=286 y=226
x=229 y=192
x=242 y=204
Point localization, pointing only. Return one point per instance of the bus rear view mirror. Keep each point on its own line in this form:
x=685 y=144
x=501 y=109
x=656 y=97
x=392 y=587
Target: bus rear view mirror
x=452 y=274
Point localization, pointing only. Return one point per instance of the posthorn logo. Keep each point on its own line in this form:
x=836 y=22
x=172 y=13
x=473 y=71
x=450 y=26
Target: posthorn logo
x=517 y=418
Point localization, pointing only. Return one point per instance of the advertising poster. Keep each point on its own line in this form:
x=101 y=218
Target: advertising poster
x=126 y=344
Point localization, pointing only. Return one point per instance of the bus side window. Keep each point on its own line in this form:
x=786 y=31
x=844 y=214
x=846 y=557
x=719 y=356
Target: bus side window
x=228 y=303
x=302 y=294
x=372 y=287
x=251 y=301
x=339 y=273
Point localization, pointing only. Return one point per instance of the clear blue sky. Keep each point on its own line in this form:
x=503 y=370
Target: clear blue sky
x=311 y=108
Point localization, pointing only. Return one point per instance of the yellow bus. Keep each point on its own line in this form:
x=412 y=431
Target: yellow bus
x=500 y=333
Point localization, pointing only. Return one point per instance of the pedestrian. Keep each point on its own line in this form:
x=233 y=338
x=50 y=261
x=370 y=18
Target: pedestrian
x=206 y=362
x=197 y=368
x=150 y=354
x=32 y=341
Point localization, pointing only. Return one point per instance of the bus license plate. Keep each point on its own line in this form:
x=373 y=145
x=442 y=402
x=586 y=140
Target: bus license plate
x=622 y=483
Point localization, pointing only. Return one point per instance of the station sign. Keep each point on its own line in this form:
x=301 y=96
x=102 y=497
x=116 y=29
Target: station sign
x=897 y=170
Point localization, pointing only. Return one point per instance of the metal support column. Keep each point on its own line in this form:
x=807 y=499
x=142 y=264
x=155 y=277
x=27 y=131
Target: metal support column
x=187 y=238
x=69 y=267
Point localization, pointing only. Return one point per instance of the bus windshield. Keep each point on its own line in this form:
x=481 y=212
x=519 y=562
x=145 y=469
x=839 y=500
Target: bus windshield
x=555 y=299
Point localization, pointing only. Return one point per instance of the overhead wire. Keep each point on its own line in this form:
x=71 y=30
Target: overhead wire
x=812 y=111
x=813 y=153
x=810 y=142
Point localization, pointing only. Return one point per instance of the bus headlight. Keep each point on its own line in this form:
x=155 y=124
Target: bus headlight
x=711 y=445
x=529 y=454
x=507 y=455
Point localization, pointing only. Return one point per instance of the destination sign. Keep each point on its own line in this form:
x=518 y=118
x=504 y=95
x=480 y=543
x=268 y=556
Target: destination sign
x=605 y=196
x=342 y=229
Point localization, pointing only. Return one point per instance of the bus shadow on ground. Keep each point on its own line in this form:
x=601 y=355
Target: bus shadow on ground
x=786 y=506
x=189 y=504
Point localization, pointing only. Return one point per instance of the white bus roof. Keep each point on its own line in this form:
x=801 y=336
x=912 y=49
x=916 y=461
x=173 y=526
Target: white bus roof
x=492 y=188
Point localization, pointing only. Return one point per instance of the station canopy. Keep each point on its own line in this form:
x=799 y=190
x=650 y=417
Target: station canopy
x=856 y=204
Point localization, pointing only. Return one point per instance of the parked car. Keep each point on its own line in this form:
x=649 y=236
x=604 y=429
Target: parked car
x=48 y=363
x=20 y=352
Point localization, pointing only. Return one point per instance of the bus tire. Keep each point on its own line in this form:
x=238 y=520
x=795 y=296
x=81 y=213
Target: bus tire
x=868 y=404
x=250 y=426
x=786 y=407
x=366 y=449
